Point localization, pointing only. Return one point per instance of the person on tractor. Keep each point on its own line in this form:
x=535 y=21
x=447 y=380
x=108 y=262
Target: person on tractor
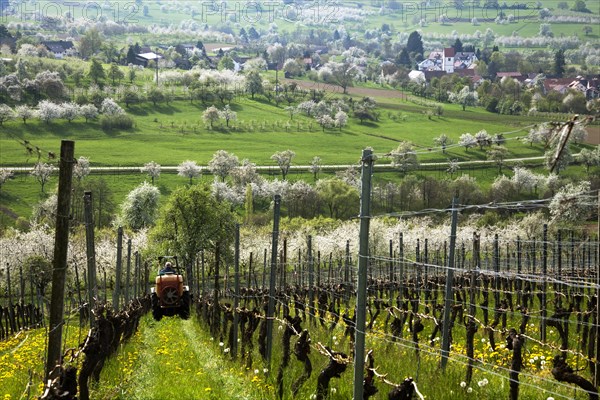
x=168 y=269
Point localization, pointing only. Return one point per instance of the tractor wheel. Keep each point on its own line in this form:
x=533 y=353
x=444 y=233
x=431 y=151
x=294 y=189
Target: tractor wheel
x=184 y=310
x=156 y=310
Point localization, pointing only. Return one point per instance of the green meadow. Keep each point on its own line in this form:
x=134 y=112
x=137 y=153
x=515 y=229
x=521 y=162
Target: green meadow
x=328 y=15
x=170 y=134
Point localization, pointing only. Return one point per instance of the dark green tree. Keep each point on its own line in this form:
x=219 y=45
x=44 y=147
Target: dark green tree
x=458 y=46
x=403 y=58
x=580 y=6
x=414 y=45
x=253 y=34
x=4 y=33
x=558 y=67
x=96 y=72
x=131 y=55
x=115 y=73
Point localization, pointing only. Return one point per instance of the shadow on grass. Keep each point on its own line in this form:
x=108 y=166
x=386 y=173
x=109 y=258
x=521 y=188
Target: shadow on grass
x=261 y=100
x=369 y=124
x=116 y=132
x=167 y=109
x=137 y=111
x=164 y=190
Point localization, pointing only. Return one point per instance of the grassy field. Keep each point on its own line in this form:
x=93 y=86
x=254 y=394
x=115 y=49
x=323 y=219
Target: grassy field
x=326 y=15
x=262 y=129
x=170 y=134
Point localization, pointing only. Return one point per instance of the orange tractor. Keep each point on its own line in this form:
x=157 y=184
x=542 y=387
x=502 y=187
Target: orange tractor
x=169 y=295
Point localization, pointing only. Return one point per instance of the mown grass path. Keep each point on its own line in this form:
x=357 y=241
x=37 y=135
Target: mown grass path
x=176 y=359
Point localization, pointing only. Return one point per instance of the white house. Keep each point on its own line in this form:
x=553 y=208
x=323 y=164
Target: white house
x=448 y=63
x=448 y=60
x=463 y=60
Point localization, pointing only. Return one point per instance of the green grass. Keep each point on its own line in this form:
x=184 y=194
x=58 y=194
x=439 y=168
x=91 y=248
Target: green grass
x=170 y=134
x=179 y=359
x=24 y=354
x=173 y=359
x=526 y=21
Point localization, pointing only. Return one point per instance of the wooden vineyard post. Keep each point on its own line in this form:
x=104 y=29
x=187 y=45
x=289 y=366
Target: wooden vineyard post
x=105 y=285
x=250 y=270
x=117 y=289
x=78 y=287
x=471 y=325
x=299 y=274
x=347 y=264
x=202 y=271
x=558 y=286
x=311 y=311
x=426 y=270
x=128 y=272
x=519 y=282
x=272 y=281
x=11 y=310
x=264 y=275
x=136 y=275
x=32 y=292
x=544 y=285
x=90 y=253
x=236 y=298
x=391 y=271
x=418 y=269
x=284 y=265
x=496 y=273
x=361 y=294
x=448 y=297
x=146 y=283
x=596 y=377
x=59 y=263
x=197 y=280
x=401 y=267
x=318 y=274
x=573 y=255
x=347 y=277
x=21 y=286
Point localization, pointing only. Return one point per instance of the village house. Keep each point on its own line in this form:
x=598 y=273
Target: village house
x=448 y=60
x=512 y=74
x=589 y=86
x=60 y=48
x=144 y=59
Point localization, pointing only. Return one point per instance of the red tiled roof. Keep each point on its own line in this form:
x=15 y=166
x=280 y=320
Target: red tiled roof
x=449 y=52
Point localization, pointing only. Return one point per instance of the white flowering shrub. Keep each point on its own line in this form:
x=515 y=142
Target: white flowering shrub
x=573 y=202
x=110 y=108
x=81 y=169
x=189 y=169
x=70 y=111
x=48 y=111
